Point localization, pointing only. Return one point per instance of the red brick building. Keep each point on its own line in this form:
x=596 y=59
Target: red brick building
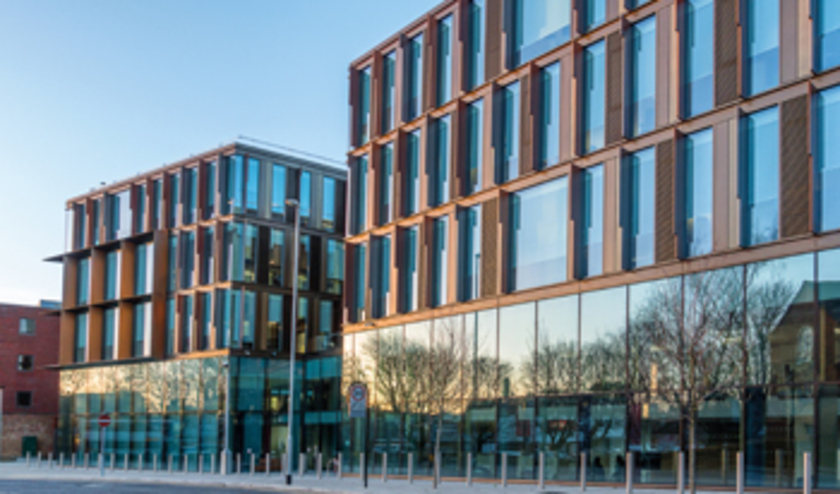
x=28 y=345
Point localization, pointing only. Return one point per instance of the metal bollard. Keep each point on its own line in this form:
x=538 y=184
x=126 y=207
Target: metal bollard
x=72 y=461
x=87 y=460
x=61 y=460
x=186 y=463
x=469 y=468
x=284 y=464
x=384 y=467
x=267 y=464
x=27 y=459
x=238 y=463
x=339 y=471
x=542 y=471
x=139 y=462
x=302 y=464
x=318 y=466
x=253 y=463
x=154 y=462
x=125 y=462
x=807 y=476
x=504 y=469
x=436 y=471
x=200 y=463
x=362 y=467
x=680 y=472
x=212 y=463
x=169 y=464
x=739 y=473
x=113 y=461
x=583 y=464
x=49 y=460
x=411 y=468
x=779 y=460
x=628 y=472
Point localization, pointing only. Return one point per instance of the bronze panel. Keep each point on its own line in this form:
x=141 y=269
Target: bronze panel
x=493 y=39
x=665 y=248
x=489 y=248
x=795 y=173
x=615 y=89
x=726 y=52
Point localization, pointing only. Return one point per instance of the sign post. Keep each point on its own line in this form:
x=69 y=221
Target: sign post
x=358 y=410
x=104 y=421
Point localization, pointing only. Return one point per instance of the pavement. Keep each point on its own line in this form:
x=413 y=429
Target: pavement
x=16 y=477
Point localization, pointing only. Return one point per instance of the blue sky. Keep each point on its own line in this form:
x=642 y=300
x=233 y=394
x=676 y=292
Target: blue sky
x=95 y=91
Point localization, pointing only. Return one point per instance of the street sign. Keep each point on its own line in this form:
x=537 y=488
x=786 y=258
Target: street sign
x=104 y=420
x=358 y=401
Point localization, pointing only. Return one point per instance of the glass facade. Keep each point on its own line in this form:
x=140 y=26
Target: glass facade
x=761 y=46
x=640 y=206
x=412 y=181
x=698 y=59
x=359 y=199
x=80 y=334
x=174 y=199
x=381 y=275
x=112 y=262
x=469 y=253
x=445 y=51
x=190 y=202
x=826 y=131
x=593 y=13
x=143 y=269
x=641 y=88
x=413 y=88
x=305 y=193
x=276 y=257
x=109 y=325
x=550 y=115
x=364 y=107
x=439 y=172
x=698 y=194
x=409 y=274
x=826 y=18
x=537 y=244
x=329 y=211
x=359 y=282
x=278 y=191
x=475 y=43
x=386 y=184
x=591 y=262
x=540 y=25
x=440 y=261
x=234 y=189
x=507 y=164
x=209 y=206
x=475 y=146
x=389 y=91
x=83 y=281
x=335 y=267
x=760 y=172
x=593 y=97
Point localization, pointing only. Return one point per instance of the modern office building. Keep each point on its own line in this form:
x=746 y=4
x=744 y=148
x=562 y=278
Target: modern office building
x=575 y=225
x=178 y=300
x=28 y=388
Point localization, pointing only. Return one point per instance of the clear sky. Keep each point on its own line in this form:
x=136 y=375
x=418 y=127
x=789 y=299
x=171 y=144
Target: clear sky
x=95 y=91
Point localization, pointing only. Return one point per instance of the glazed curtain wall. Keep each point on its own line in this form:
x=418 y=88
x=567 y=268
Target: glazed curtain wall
x=751 y=349
x=177 y=408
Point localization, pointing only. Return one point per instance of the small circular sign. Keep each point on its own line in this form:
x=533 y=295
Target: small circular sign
x=104 y=420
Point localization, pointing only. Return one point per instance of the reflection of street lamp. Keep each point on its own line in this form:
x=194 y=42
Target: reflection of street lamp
x=294 y=204
x=225 y=459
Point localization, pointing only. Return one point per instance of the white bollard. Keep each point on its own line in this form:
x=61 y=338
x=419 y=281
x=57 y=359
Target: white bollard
x=302 y=464
x=284 y=464
x=253 y=463
x=49 y=460
x=154 y=462
x=504 y=469
x=362 y=467
x=340 y=466
x=200 y=463
x=628 y=472
x=384 y=467
x=807 y=476
x=61 y=460
x=169 y=464
x=87 y=460
x=436 y=471
x=469 y=469
x=139 y=462
x=238 y=463
x=583 y=460
x=186 y=463
x=113 y=461
x=27 y=459
x=125 y=462
x=318 y=465
x=739 y=473
x=542 y=470
x=411 y=468
x=212 y=463
x=680 y=472
x=267 y=464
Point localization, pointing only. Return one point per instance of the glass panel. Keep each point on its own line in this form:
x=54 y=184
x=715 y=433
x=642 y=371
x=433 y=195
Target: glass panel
x=507 y=165
x=603 y=425
x=475 y=146
x=190 y=195
x=444 y=60
x=360 y=281
x=641 y=172
x=186 y=323
x=642 y=77
x=386 y=184
x=111 y=274
x=250 y=384
x=170 y=325
x=760 y=199
x=364 y=107
x=439 y=189
x=80 y=337
x=557 y=352
x=172 y=272
x=274 y=338
x=232 y=194
x=538 y=217
x=761 y=46
x=109 y=323
x=328 y=205
x=304 y=262
x=157 y=198
x=278 y=191
x=826 y=34
x=209 y=190
x=205 y=320
x=249 y=319
x=276 y=257
x=251 y=247
x=550 y=115
x=594 y=95
x=305 y=198
x=556 y=436
x=591 y=262
x=381 y=272
x=440 y=261
x=540 y=26
x=252 y=188
x=303 y=324
x=323 y=339
x=603 y=345
x=83 y=281
x=412 y=185
x=389 y=78
x=187 y=259
x=654 y=437
x=335 y=267
x=469 y=246
x=699 y=193
x=698 y=67
x=828 y=432
x=210 y=383
x=475 y=43
x=826 y=130
x=141 y=284
x=409 y=274
x=516 y=429
x=517 y=350
x=828 y=263
x=208 y=266
x=594 y=13
x=174 y=198
x=414 y=77
x=359 y=205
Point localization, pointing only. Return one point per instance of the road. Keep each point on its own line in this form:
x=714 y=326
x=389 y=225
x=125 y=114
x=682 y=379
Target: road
x=83 y=486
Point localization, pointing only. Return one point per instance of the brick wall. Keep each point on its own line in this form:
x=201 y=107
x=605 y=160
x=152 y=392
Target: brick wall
x=16 y=427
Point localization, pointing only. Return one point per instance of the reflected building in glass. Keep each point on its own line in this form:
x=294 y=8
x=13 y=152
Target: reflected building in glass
x=638 y=232
x=178 y=290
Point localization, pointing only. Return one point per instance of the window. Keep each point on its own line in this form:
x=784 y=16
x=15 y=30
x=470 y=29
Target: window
x=760 y=186
x=634 y=4
x=80 y=338
x=640 y=173
x=205 y=320
x=140 y=209
x=23 y=398
x=475 y=44
x=190 y=195
x=475 y=146
x=323 y=341
x=761 y=46
x=381 y=274
x=223 y=318
x=276 y=257
x=174 y=198
x=170 y=325
x=444 y=60
x=550 y=115
x=537 y=243
x=249 y=274
x=303 y=322
x=25 y=363
x=252 y=190
x=592 y=230
x=232 y=200
x=389 y=88
x=826 y=18
x=187 y=259
x=208 y=267
x=186 y=323
x=80 y=228
x=414 y=77
x=593 y=98
x=305 y=193
x=278 y=191
x=540 y=25
x=439 y=190
x=140 y=327
x=305 y=263
x=95 y=222
x=111 y=274
x=109 y=325
x=594 y=13
x=469 y=246
x=172 y=273
x=335 y=266
x=358 y=206
x=440 y=261
x=249 y=319
x=698 y=193
x=507 y=166
x=698 y=56
x=412 y=183
x=826 y=131
x=328 y=204
x=274 y=339
x=26 y=326
x=157 y=198
x=386 y=184
x=364 y=107
x=118 y=215
x=359 y=282
x=143 y=269
x=409 y=275
x=83 y=281
x=641 y=108
x=209 y=190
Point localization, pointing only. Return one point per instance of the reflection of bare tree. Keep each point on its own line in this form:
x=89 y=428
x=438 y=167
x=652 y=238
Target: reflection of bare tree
x=602 y=363
x=556 y=367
